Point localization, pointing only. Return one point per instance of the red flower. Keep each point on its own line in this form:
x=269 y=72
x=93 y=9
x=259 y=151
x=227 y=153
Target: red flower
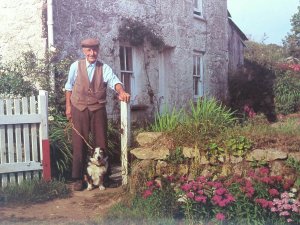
x=150 y=183
x=264 y=170
x=273 y=192
x=264 y=203
x=288 y=183
x=147 y=193
x=200 y=198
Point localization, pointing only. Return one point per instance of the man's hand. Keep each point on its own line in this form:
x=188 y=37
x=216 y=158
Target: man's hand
x=123 y=96
x=68 y=113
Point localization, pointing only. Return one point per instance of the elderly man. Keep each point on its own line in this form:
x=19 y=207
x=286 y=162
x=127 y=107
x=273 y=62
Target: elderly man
x=85 y=104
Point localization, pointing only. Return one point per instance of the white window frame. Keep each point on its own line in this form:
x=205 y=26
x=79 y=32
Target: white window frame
x=128 y=71
x=198 y=8
x=198 y=74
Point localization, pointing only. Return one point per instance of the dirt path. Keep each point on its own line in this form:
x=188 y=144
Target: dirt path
x=81 y=206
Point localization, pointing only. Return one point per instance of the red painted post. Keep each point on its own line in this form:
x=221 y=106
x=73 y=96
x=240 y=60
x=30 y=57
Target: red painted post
x=46 y=160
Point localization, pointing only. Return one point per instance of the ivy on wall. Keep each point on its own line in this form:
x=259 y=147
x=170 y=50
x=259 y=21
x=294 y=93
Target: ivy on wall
x=136 y=32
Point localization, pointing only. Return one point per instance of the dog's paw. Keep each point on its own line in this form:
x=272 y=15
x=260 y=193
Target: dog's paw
x=90 y=187
x=101 y=188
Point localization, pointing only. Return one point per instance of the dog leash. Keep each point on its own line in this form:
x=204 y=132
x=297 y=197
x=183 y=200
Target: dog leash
x=79 y=134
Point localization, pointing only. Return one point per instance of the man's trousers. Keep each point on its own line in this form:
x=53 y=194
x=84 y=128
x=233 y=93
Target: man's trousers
x=92 y=126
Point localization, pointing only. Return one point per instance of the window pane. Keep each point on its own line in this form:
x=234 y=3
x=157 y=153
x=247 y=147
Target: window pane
x=196 y=85
x=122 y=58
x=125 y=78
x=128 y=59
x=198 y=65
x=194 y=65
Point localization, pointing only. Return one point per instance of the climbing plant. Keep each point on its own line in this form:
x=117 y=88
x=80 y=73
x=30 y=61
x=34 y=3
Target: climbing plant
x=135 y=31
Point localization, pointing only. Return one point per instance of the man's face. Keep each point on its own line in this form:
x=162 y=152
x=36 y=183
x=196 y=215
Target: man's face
x=91 y=54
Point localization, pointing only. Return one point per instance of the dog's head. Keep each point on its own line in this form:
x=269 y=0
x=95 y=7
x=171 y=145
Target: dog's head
x=98 y=157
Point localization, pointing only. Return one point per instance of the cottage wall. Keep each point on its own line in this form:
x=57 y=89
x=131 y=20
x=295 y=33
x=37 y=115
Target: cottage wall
x=236 y=49
x=182 y=32
x=165 y=75
x=22 y=28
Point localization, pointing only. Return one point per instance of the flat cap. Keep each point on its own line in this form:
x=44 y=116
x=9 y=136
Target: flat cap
x=90 y=42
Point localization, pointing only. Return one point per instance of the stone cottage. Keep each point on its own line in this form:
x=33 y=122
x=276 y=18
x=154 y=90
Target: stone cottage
x=165 y=51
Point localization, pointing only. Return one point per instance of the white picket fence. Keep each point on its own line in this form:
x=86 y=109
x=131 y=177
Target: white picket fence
x=24 y=139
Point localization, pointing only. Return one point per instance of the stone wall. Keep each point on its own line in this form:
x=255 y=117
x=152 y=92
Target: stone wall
x=23 y=28
x=152 y=159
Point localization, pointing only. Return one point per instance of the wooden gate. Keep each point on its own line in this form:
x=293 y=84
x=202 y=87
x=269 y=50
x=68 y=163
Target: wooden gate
x=24 y=145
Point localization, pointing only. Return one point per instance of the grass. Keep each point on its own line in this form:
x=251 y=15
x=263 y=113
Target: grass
x=34 y=191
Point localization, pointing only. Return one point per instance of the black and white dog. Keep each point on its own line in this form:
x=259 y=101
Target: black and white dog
x=96 y=169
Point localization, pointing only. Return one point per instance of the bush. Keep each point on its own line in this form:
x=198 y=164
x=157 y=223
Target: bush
x=287 y=93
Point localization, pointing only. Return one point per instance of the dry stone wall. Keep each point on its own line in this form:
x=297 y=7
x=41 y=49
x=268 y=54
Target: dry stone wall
x=152 y=160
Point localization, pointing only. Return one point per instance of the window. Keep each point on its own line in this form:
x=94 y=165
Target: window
x=198 y=7
x=126 y=67
x=198 y=75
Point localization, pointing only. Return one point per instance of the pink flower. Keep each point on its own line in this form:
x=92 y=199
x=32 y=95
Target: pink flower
x=200 y=199
x=284 y=213
x=264 y=170
x=186 y=187
x=150 y=183
x=289 y=220
x=220 y=216
x=273 y=209
x=147 y=193
x=190 y=195
x=273 y=192
x=200 y=192
x=264 y=203
x=288 y=183
x=220 y=191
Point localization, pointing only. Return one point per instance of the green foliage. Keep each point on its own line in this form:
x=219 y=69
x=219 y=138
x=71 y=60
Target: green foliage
x=253 y=86
x=295 y=164
x=114 y=142
x=287 y=93
x=158 y=208
x=35 y=191
x=60 y=146
x=258 y=163
x=214 y=152
x=176 y=156
x=291 y=42
x=238 y=146
x=209 y=114
x=205 y=120
x=136 y=32
x=264 y=55
x=21 y=77
x=15 y=79
x=166 y=121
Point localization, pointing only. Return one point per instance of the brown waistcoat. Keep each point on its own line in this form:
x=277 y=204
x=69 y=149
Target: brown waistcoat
x=86 y=94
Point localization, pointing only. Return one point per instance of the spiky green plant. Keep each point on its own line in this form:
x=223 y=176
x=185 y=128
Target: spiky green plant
x=167 y=121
